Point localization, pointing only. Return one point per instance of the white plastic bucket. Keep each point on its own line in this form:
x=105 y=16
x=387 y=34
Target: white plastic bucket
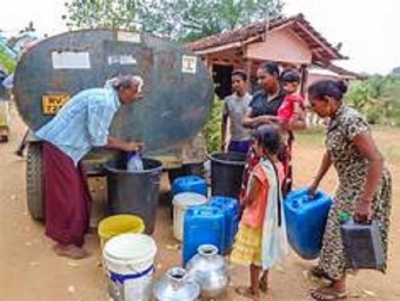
x=129 y=259
x=182 y=201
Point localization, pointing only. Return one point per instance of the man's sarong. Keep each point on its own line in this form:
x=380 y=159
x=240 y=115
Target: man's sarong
x=67 y=197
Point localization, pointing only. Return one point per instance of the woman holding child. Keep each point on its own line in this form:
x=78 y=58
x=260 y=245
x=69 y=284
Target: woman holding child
x=276 y=104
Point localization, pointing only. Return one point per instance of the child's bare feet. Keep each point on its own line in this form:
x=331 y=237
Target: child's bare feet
x=248 y=292
x=263 y=285
x=70 y=251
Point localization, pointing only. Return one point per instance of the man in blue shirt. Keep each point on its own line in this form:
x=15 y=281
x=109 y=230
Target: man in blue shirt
x=80 y=125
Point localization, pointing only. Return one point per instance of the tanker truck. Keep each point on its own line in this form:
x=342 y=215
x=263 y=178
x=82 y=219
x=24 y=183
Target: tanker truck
x=177 y=96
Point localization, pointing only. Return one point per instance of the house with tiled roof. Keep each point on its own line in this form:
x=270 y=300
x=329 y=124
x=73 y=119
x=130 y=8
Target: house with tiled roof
x=292 y=42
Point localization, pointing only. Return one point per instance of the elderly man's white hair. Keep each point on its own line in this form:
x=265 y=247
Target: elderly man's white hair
x=125 y=81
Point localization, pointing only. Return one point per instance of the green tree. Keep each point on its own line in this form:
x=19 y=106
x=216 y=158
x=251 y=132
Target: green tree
x=101 y=14
x=212 y=129
x=8 y=58
x=184 y=20
x=379 y=88
x=359 y=95
x=189 y=20
x=29 y=28
x=391 y=99
x=376 y=97
x=396 y=71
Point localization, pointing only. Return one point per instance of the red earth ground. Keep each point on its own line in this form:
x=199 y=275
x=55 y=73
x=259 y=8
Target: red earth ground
x=30 y=271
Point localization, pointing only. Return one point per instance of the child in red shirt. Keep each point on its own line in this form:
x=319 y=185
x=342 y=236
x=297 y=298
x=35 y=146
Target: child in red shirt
x=290 y=110
x=293 y=102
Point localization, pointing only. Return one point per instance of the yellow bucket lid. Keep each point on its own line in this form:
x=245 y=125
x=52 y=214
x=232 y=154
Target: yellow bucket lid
x=119 y=224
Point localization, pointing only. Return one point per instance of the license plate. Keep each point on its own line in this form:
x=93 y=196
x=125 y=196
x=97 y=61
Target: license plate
x=52 y=103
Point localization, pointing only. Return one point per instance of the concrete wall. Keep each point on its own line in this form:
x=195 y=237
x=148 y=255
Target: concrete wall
x=281 y=46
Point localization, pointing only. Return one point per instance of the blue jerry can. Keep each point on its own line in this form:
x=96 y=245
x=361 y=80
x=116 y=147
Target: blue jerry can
x=202 y=225
x=230 y=206
x=306 y=219
x=190 y=184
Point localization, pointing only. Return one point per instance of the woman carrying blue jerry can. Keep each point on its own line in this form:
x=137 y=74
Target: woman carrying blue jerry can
x=364 y=191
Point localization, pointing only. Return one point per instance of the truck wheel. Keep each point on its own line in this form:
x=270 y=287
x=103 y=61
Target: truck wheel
x=34 y=181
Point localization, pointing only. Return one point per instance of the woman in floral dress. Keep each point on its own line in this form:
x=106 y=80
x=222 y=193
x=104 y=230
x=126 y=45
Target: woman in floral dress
x=364 y=183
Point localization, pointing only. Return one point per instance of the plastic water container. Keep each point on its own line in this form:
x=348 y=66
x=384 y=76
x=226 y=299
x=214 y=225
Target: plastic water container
x=134 y=192
x=129 y=259
x=363 y=245
x=306 y=219
x=190 y=184
x=119 y=224
x=202 y=225
x=181 y=202
x=227 y=173
x=230 y=206
x=134 y=162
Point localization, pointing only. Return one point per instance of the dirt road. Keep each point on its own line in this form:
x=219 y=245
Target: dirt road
x=30 y=271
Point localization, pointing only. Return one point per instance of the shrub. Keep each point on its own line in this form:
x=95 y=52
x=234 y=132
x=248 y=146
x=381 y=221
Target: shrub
x=212 y=129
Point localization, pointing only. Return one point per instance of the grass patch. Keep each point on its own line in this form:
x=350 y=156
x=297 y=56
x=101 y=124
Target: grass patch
x=314 y=137
x=387 y=139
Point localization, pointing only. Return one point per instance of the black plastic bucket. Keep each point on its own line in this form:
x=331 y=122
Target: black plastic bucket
x=134 y=192
x=227 y=173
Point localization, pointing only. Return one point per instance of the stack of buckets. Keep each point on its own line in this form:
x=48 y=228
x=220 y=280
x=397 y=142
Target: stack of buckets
x=128 y=257
x=198 y=220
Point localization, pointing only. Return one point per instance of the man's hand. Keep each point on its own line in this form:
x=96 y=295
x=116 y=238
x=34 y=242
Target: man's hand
x=134 y=146
x=223 y=147
x=117 y=143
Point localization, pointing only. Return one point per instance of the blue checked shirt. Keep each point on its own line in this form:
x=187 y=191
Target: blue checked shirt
x=82 y=123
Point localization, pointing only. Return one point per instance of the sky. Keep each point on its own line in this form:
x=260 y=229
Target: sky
x=367 y=28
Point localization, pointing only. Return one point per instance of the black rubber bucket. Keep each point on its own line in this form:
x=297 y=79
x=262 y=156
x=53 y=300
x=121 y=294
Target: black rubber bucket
x=134 y=192
x=227 y=173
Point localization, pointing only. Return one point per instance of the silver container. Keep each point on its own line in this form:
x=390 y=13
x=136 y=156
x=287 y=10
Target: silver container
x=176 y=286
x=210 y=271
